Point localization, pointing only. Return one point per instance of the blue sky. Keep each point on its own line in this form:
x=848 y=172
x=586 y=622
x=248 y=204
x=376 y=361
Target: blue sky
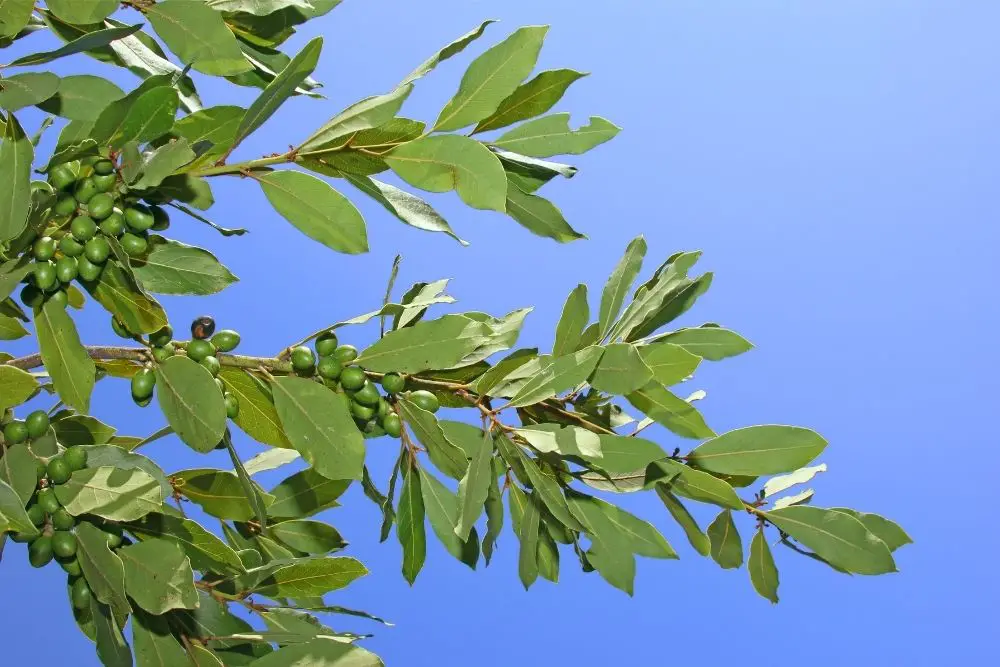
x=836 y=162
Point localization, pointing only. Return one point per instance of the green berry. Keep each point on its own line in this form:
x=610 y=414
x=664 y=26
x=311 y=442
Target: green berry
x=83 y=228
x=134 y=245
x=39 y=466
x=162 y=337
x=85 y=190
x=104 y=167
x=66 y=269
x=113 y=534
x=61 y=177
x=161 y=354
x=37 y=515
x=44 y=248
x=65 y=205
x=144 y=402
x=211 y=364
x=143 y=383
x=198 y=349
x=37 y=423
x=119 y=328
x=63 y=520
x=303 y=359
x=47 y=501
x=105 y=182
x=368 y=395
x=362 y=412
x=383 y=408
x=232 y=406
x=80 y=593
x=352 y=378
x=161 y=221
x=40 y=551
x=59 y=297
x=113 y=225
x=345 y=354
x=64 y=544
x=58 y=471
x=32 y=297
x=226 y=340
x=97 y=250
x=15 y=432
x=70 y=247
x=425 y=399
x=45 y=275
x=87 y=270
x=138 y=218
x=75 y=457
x=101 y=206
x=393 y=383
x=392 y=425
x=73 y=569
x=329 y=368
x=326 y=344
x=221 y=385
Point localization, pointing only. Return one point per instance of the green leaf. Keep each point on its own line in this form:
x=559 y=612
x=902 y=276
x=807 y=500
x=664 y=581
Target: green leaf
x=259 y=7
x=727 y=549
x=82 y=97
x=763 y=573
x=82 y=13
x=759 y=450
x=551 y=135
x=494 y=510
x=82 y=430
x=835 y=536
x=564 y=440
x=279 y=90
x=88 y=42
x=531 y=99
x=15 y=15
x=154 y=644
x=474 y=487
x=114 y=456
x=11 y=328
x=614 y=562
x=530 y=173
x=452 y=49
x=527 y=535
x=695 y=484
x=112 y=493
x=319 y=653
x=427 y=345
x=538 y=215
x=548 y=555
x=16 y=386
x=215 y=126
x=191 y=402
x=409 y=208
x=311 y=537
x=491 y=78
x=669 y=363
x=410 y=522
x=442 y=509
x=712 y=343
x=675 y=303
x=621 y=370
x=163 y=161
x=219 y=493
x=682 y=516
x=257 y=417
x=369 y=113
x=676 y=414
x=103 y=569
x=66 y=360
x=796 y=499
x=574 y=318
x=271 y=459
x=776 y=485
x=16 y=154
x=24 y=90
x=144 y=114
x=199 y=37
x=193 y=191
x=549 y=490
x=888 y=531
x=112 y=648
x=172 y=267
x=611 y=524
x=13 y=516
x=563 y=373
x=17 y=470
x=316 y=209
x=656 y=295
x=206 y=552
x=305 y=493
x=158 y=576
x=119 y=293
x=318 y=423
x=619 y=283
x=452 y=162
x=311 y=577
x=446 y=455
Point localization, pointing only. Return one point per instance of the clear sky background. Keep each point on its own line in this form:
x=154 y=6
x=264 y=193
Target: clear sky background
x=836 y=161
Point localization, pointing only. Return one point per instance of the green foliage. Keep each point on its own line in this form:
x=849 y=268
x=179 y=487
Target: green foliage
x=81 y=497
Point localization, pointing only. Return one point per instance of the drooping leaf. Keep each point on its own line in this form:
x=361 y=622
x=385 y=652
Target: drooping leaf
x=121 y=296
x=16 y=154
x=257 y=417
x=206 y=552
x=494 y=511
x=191 y=402
x=199 y=37
x=759 y=450
x=611 y=524
x=305 y=493
x=539 y=215
x=442 y=510
x=561 y=374
x=316 y=209
x=24 y=90
x=172 y=267
x=667 y=409
x=410 y=523
x=16 y=386
x=112 y=648
x=531 y=99
x=474 y=487
x=763 y=573
x=683 y=517
x=409 y=208
x=66 y=360
x=112 y=493
x=527 y=535
x=154 y=644
x=103 y=569
x=549 y=490
x=430 y=344
x=727 y=549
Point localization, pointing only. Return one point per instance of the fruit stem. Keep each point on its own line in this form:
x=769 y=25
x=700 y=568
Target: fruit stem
x=141 y=354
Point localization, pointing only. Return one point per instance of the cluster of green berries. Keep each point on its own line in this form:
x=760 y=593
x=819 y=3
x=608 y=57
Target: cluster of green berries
x=90 y=201
x=334 y=364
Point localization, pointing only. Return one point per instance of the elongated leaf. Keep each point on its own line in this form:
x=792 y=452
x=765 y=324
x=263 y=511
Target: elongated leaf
x=112 y=493
x=219 y=492
x=13 y=516
x=16 y=386
x=442 y=510
x=539 y=215
x=712 y=343
x=320 y=653
x=104 y=570
x=491 y=78
x=763 y=573
x=112 y=648
x=206 y=552
x=16 y=154
x=611 y=524
x=527 y=535
x=70 y=367
x=432 y=344
x=452 y=162
x=191 y=402
x=81 y=97
x=452 y=49
x=14 y=16
x=82 y=430
x=17 y=470
x=473 y=488
x=529 y=173
x=619 y=283
x=676 y=414
x=574 y=318
x=311 y=537
x=257 y=417
x=621 y=370
x=369 y=113
x=24 y=90
x=88 y=42
x=759 y=450
x=199 y=37
x=531 y=99
x=316 y=209
x=549 y=490
x=312 y=577
x=270 y=459
x=669 y=363
x=409 y=208
x=318 y=423
x=11 y=328
x=172 y=267
x=727 y=549
x=494 y=510
x=446 y=455
x=163 y=161
x=563 y=373
x=158 y=576
x=776 y=485
x=551 y=135
x=695 y=484
x=888 y=531
x=683 y=517
x=214 y=128
x=410 y=523
x=154 y=643
x=121 y=296
x=836 y=537
x=305 y=493
x=82 y=13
